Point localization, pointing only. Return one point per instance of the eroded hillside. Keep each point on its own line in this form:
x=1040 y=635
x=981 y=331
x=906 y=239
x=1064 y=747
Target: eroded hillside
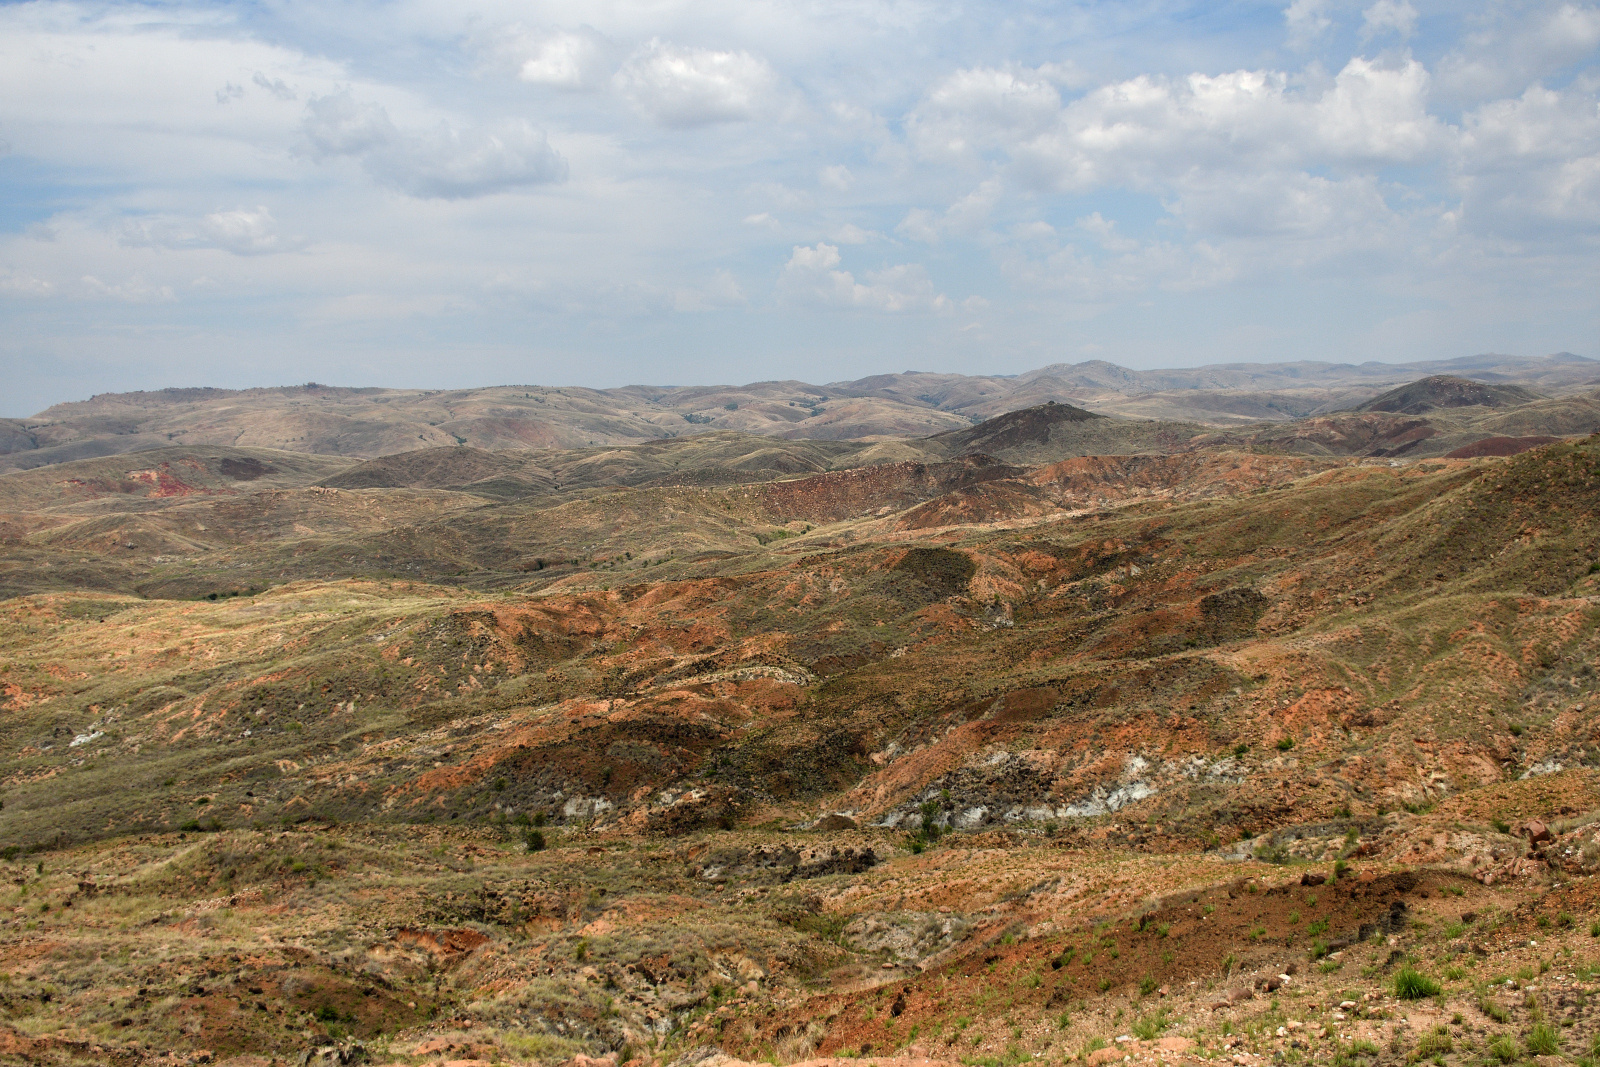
x=466 y=756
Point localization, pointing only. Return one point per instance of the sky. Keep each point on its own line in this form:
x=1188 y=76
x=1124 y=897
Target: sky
x=450 y=193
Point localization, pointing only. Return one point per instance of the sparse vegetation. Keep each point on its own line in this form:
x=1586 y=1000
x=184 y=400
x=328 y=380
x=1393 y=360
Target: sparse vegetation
x=472 y=760
x=1410 y=984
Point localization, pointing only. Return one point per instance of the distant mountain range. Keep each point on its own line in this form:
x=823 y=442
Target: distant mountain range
x=371 y=422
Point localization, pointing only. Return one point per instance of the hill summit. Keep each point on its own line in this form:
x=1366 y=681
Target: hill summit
x=1447 y=391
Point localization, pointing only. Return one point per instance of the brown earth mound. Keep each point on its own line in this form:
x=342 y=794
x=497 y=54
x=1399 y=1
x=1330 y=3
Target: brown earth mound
x=1447 y=391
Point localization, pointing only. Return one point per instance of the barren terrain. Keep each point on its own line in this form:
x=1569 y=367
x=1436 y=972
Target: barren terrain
x=1058 y=736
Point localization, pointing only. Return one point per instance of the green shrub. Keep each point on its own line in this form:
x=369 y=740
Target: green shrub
x=1410 y=984
x=1543 y=1040
x=1432 y=1044
x=1149 y=1027
x=1285 y=744
x=1493 y=1010
x=1504 y=1049
x=1147 y=985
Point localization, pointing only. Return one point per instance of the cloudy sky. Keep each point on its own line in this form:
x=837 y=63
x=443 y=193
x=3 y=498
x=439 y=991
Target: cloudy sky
x=478 y=192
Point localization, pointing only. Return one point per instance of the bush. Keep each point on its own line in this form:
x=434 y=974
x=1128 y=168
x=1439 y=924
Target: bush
x=1410 y=984
x=1149 y=1027
x=1431 y=1045
x=928 y=831
x=1543 y=1040
x=1504 y=1049
x=1147 y=985
x=1285 y=744
x=535 y=840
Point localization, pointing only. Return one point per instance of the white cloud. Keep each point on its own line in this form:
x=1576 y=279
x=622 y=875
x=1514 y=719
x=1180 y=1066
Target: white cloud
x=132 y=290
x=812 y=276
x=1530 y=167
x=978 y=108
x=275 y=86
x=1289 y=208
x=837 y=178
x=683 y=87
x=565 y=59
x=721 y=291
x=1306 y=20
x=851 y=234
x=443 y=161
x=966 y=216
x=340 y=125
x=244 y=231
x=1389 y=16
x=17 y=283
x=1154 y=133
x=1520 y=44
x=1104 y=232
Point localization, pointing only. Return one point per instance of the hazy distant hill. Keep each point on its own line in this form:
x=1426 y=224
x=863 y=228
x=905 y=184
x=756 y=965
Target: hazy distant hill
x=371 y=422
x=1448 y=391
